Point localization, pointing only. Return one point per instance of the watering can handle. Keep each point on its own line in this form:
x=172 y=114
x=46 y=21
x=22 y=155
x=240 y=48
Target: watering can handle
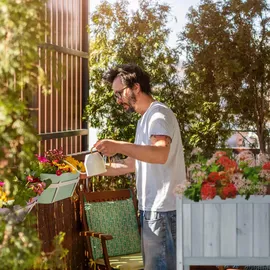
x=109 y=158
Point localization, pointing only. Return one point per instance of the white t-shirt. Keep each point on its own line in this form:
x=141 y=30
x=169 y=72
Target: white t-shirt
x=156 y=182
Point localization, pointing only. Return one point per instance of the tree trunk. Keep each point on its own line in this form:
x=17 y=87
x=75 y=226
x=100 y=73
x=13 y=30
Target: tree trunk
x=261 y=137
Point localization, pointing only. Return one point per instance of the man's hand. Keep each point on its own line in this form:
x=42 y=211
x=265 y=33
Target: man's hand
x=107 y=147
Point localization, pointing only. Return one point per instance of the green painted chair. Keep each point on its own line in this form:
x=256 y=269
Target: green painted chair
x=111 y=230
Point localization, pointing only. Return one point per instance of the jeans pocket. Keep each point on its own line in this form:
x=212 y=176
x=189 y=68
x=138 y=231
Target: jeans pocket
x=154 y=223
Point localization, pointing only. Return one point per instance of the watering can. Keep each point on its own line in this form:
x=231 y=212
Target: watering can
x=94 y=164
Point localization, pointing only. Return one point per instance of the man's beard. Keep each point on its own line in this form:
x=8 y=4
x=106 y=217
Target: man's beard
x=130 y=103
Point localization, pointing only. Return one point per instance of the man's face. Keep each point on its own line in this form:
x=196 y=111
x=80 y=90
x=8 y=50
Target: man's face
x=124 y=95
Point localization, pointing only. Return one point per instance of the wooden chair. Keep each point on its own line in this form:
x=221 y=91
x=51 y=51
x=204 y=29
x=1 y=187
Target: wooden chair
x=99 y=211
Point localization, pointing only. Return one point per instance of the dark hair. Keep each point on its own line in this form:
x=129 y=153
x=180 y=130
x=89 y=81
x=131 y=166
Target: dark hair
x=130 y=74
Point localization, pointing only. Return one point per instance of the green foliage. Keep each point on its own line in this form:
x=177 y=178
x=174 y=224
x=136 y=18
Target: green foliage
x=117 y=37
x=22 y=29
x=227 y=49
x=19 y=249
x=54 y=259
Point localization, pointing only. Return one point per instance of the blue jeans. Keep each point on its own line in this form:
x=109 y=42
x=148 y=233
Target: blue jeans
x=158 y=236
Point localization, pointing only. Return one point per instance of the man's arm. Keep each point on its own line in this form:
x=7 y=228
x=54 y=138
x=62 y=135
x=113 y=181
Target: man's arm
x=157 y=152
x=123 y=166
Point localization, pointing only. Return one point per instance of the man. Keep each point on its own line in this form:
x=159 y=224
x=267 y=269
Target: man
x=157 y=159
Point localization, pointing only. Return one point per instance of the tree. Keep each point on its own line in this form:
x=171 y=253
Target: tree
x=227 y=48
x=117 y=37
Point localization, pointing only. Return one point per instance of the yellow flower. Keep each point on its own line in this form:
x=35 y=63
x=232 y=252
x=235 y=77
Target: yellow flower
x=3 y=195
x=77 y=164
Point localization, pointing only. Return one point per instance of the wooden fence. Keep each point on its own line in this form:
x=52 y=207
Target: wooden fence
x=63 y=216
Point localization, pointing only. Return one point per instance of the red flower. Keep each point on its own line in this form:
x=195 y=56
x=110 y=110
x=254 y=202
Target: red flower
x=215 y=176
x=58 y=172
x=227 y=163
x=266 y=166
x=229 y=191
x=208 y=191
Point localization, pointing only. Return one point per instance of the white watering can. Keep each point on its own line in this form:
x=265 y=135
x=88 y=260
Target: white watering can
x=94 y=164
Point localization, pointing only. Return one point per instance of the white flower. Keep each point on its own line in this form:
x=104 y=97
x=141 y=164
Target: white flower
x=238 y=180
x=180 y=189
x=196 y=151
x=211 y=161
x=247 y=157
x=262 y=158
x=195 y=166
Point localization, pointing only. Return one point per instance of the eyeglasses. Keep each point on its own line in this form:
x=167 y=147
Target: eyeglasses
x=118 y=94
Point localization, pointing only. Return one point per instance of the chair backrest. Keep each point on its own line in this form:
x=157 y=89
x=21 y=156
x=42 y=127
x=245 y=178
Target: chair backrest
x=114 y=213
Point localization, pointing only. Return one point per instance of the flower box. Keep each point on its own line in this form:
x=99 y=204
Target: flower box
x=62 y=187
x=223 y=232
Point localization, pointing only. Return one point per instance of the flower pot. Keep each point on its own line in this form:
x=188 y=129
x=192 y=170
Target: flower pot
x=62 y=187
x=223 y=232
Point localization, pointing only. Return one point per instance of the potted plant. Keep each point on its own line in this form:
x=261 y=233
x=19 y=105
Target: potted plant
x=222 y=211
x=62 y=170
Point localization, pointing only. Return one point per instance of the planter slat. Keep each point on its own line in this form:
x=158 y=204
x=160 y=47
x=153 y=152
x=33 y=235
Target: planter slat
x=261 y=230
x=187 y=229
x=228 y=232
x=211 y=230
x=244 y=230
x=197 y=230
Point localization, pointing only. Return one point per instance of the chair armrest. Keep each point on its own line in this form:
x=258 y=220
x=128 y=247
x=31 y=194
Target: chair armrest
x=103 y=237
x=97 y=235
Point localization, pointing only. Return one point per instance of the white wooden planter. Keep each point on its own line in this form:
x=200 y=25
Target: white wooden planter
x=223 y=232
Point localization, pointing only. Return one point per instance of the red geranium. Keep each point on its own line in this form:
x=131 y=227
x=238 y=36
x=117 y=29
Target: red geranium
x=266 y=166
x=208 y=191
x=227 y=163
x=228 y=191
x=215 y=176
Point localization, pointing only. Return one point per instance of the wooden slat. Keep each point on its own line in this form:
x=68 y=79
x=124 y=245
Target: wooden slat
x=197 y=230
x=244 y=230
x=211 y=230
x=228 y=233
x=187 y=230
x=261 y=230
x=107 y=195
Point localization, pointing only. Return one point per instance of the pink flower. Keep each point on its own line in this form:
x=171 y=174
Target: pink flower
x=2 y=184
x=29 y=178
x=42 y=159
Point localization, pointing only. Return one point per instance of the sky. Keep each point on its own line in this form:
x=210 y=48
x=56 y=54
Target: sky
x=179 y=11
